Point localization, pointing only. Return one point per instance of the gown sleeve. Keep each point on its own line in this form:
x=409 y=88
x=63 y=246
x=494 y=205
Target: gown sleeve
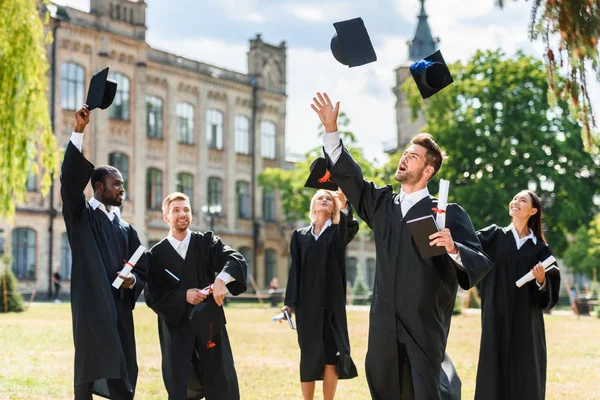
x=548 y=296
x=291 y=291
x=365 y=195
x=75 y=174
x=162 y=296
x=486 y=237
x=220 y=257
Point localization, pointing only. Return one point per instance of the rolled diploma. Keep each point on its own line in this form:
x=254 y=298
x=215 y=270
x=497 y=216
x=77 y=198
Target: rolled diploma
x=278 y=317
x=128 y=266
x=206 y=291
x=440 y=217
x=529 y=276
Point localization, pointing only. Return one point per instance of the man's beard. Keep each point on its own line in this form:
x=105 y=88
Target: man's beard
x=114 y=201
x=410 y=178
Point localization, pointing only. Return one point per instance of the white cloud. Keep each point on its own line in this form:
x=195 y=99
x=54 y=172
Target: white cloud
x=308 y=13
x=255 y=17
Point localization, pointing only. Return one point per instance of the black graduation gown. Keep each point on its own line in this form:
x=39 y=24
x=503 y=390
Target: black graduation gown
x=205 y=257
x=512 y=356
x=317 y=280
x=103 y=329
x=413 y=297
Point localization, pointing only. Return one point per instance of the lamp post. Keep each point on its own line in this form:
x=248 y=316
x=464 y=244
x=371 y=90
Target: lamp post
x=213 y=211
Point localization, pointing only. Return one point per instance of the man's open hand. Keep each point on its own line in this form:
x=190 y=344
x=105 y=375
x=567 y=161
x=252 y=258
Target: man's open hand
x=326 y=112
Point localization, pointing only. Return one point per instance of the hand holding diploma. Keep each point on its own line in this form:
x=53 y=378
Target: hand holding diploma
x=125 y=273
x=538 y=272
x=285 y=314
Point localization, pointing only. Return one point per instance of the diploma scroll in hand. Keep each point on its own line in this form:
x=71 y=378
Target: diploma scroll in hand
x=440 y=217
x=528 y=277
x=207 y=290
x=285 y=315
x=129 y=266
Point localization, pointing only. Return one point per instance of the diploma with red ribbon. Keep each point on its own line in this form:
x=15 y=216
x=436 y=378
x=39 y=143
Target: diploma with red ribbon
x=440 y=217
x=129 y=266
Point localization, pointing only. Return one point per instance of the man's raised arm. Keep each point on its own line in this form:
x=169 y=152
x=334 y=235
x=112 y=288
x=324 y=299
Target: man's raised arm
x=76 y=170
x=344 y=170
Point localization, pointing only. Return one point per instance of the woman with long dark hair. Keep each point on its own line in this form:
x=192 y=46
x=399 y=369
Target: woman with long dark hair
x=512 y=357
x=316 y=291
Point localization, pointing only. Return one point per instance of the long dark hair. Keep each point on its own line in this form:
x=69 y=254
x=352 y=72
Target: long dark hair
x=535 y=221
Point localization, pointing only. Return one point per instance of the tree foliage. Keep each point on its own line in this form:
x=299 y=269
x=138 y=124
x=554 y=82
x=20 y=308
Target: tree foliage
x=577 y=25
x=495 y=123
x=26 y=138
x=583 y=254
x=14 y=300
x=295 y=198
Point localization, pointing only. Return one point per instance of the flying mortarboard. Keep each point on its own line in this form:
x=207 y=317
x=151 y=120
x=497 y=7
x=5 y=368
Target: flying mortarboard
x=319 y=177
x=351 y=45
x=101 y=92
x=207 y=319
x=431 y=74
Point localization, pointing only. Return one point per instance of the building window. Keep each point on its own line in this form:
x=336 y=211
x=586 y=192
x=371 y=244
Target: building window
x=23 y=253
x=121 y=162
x=72 y=86
x=267 y=134
x=31 y=181
x=154 y=117
x=246 y=252
x=185 y=185
x=154 y=189
x=242 y=191
x=66 y=257
x=270 y=266
x=351 y=269
x=370 y=272
x=214 y=192
x=185 y=123
x=242 y=135
x=268 y=205
x=214 y=129
x=119 y=109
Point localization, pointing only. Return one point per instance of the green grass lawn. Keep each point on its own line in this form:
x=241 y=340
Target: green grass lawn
x=36 y=355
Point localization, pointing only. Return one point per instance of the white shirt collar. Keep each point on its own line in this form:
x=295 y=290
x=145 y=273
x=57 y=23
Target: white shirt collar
x=95 y=203
x=414 y=197
x=312 y=229
x=176 y=243
x=521 y=240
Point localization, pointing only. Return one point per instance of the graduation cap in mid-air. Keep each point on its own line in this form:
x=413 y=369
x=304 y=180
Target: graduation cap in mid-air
x=319 y=177
x=207 y=319
x=351 y=45
x=431 y=74
x=101 y=92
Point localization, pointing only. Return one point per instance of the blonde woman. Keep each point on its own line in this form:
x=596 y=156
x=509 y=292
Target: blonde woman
x=316 y=292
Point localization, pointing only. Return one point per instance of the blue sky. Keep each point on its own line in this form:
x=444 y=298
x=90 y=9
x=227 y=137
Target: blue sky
x=217 y=32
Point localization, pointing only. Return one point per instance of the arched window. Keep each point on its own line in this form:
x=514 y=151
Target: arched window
x=351 y=269
x=185 y=123
x=214 y=129
x=154 y=189
x=267 y=144
x=214 y=192
x=119 y=109
x=242 y=134
x=121 y=162
x=268 y=205
x=154 y=117
x=72 y=86
x=185 y=185
x=242 y=191
x=270 y=266
x=23 y=253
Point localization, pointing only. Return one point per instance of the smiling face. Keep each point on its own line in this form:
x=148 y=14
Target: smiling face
x=178 y=215
x=521 y=206
x=111 y=191
x=412 y=166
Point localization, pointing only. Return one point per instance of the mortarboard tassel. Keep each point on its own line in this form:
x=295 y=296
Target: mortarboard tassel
x=210 y=344
x=325 y=178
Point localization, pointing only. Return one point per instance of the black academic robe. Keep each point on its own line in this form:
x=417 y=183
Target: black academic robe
x=205 y=257
x=103 y=329
x=317 y=281
x=413 y=298
x=512 y=356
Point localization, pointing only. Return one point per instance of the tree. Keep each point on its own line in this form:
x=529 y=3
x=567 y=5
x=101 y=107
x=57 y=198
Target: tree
x=577 y=24
x=295 y=198
x=583 y=253
x=26 y=138
x=500 y=134
x=11 y=300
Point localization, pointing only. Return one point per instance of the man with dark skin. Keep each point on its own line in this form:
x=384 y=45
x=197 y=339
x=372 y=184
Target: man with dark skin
x=103 y=332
